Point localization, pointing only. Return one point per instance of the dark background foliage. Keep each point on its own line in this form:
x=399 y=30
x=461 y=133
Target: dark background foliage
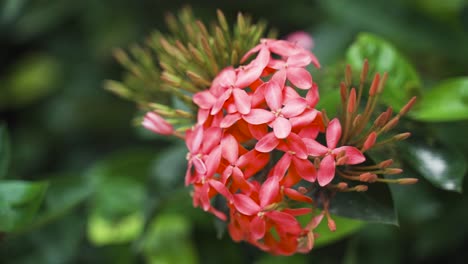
x=114 y=192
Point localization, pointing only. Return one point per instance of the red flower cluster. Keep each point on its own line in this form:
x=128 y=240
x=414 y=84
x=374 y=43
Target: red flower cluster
x=255 y=144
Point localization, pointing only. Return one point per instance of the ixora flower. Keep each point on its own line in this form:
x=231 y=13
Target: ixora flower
x=257 y=142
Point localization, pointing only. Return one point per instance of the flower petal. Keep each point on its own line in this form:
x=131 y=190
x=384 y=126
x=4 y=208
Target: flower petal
x=245 y=205
x=269 y=191
x=257 y=228
x=258 y=116
x=326 y=171
x=296 y=144
x=294 y=107
x=353 y=155
x=195 y=141
x=199 y=165
x=333 y=133
x=229 y=120
x=242 y=101
x=314 y=148
x=267 y=143
x=300 y=77
x=281 y=127
x=157 y=124
x=305 y=168
x=204 y=100
x=230 y=148
x=220 y=101
x=274 y=95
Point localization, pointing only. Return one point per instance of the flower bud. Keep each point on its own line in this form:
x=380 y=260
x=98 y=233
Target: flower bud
x=157 y=124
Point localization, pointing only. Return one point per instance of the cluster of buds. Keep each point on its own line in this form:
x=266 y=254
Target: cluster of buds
x=256 y=146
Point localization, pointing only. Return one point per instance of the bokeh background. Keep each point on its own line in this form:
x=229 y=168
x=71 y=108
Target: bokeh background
x=116 y=192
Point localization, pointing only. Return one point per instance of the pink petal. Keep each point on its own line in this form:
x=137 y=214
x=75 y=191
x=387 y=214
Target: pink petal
x=267 y=143
x=333 y=133
x=280 y=168
x=294 y=107
x=258 y=116
x=269 y=191
x=281 y=127
x=301 y=39
x=202 y=116
x=305 y=168
x=296 y=144
x=314 y=148
x=353 y=155
x=289 y=93
x=282 y=47
x=220 y=101
x=199 y=165
x=274 y=95
x=242 y=101
x=196 y=139
x=300 y=59
x=257 y=228
x=204 y=100
x=221 y=189
x=226 y=77
x=212 y=161
x=300 y=77
x=211 y=139
x=286 y=222
x=312 y=96
x=229 y=120
x=230 y=148
x=252 y=51
x=326 y=171
x=245 y=205
x=279 y=77
x=305 y=119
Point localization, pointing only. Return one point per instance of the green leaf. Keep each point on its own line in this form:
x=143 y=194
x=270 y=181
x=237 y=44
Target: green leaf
x=118 y=207
x=442 y=166
x=344 y=228
x=168 y=241
x=102 y=231
x=19 y=201
x=374 y=205
x=4 y=151
x=448 y=101
x=403 y=81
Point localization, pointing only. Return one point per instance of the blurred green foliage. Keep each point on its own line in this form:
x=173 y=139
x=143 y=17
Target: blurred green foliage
x=81 y=184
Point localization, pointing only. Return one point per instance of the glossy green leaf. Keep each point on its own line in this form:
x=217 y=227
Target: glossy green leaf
x=403 y=81
x=448 y=101
x=374 y=205
x=444 y=167
x=19 y=202
x=168 y=241
x=4 y=151
x=344 y=228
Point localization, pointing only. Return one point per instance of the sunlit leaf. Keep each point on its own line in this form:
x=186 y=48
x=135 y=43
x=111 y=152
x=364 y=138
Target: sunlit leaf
x=344 y=228
x=19 y=201
x=403 y=81
x=104 y=231
x=448 y=101
x=374 y=205
x=4 y=151
x=443 y=167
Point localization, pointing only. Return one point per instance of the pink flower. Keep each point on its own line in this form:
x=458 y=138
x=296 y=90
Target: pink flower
x=351 y=155
x=302 y=39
